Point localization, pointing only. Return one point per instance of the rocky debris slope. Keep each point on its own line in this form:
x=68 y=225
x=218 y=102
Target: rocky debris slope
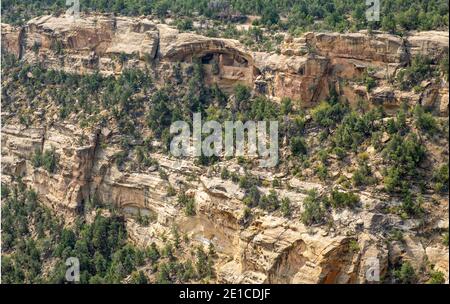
x=304 y=68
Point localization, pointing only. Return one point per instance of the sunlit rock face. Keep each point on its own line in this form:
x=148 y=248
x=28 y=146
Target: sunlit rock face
x=11 y=40
x=271 y=248
x=303 y=70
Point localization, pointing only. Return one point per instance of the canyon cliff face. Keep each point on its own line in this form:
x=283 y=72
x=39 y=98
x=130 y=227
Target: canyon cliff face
x=270 y=248
x=304 y=68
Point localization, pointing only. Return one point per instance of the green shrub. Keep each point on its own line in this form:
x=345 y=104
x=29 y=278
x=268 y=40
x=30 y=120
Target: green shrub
x=242 y=94
x=286 y=207
x=369 y=82
x=37 y=158
x=328 y=114
x=171 y=191
x=286 y=106
x=412 y=207
x=270 y=202
x=420 y=69
x=354 y=246
x=4 y=191
x=185 y=24
x=298 y=146
x=322 y=171
x=262 y=109
x=123 y=57
x=153 y=253
x=406 y=274
x=253 y=197
x=248 y=181
x=57 y=47
x=396 y=235
x=376 y=140
x=203 y=264
x=276 y=183
x=425 y=121
x=392 y=179
x=313 y=212
x=441 y=178
x=340 y=199
x=445 y=239
x=94 y=202
x=49 y=160
x=323 y=156
x=354 y=130
x=444 y=66
x=270 y=15
x=188 y=203
x=340 y=153
x=404 y=155
x=363 y=175
x=436 y=277
x=138 y=277
x=398 y=124
x=215 y=68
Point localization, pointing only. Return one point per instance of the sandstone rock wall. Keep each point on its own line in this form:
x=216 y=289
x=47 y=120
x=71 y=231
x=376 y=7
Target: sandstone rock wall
x=270 y=248
x=68 y=188
x=12 y=39
x=304 y=70
x=267 y=249
x=382 y=48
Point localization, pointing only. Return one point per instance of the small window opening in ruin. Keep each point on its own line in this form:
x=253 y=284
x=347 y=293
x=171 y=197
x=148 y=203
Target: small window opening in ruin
x=241 y=61
x=301 y=71
x=207 y=59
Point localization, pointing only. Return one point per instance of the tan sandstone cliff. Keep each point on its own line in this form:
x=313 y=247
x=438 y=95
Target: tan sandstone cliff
x=304 y=69
x=271 y=249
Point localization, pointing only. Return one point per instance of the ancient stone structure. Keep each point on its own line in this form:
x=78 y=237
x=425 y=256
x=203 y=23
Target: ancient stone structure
x=304 y=70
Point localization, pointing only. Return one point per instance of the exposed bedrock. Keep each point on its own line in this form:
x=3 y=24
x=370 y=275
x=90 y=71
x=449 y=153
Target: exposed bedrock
x=304 y=69
x=268 y=248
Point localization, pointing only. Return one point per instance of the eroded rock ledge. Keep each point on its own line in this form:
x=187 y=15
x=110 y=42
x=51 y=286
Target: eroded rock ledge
x=268 y=249
x=304 y=68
